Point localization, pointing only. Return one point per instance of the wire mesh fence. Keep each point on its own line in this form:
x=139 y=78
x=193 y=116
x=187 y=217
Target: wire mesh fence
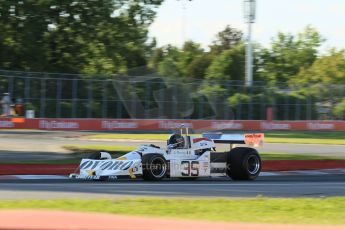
x=153 y=97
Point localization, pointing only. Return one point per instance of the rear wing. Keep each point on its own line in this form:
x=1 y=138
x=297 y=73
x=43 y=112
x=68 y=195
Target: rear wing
x=251 y=139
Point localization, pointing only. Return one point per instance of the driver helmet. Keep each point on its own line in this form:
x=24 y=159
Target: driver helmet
x=176 y=141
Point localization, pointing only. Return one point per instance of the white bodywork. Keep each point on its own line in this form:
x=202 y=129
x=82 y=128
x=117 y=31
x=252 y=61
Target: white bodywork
x=191 y=160
x=127 y=165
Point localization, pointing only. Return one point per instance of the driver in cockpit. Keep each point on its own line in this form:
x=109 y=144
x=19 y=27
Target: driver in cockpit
x=176 y=141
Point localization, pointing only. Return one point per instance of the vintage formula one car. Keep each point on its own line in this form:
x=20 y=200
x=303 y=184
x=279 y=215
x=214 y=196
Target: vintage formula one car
x=185 y=157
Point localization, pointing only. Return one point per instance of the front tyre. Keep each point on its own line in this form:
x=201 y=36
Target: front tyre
x=155 y=167
x=243 y=164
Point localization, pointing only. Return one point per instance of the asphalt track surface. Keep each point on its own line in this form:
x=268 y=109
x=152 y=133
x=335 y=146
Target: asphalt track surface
x=267 y=186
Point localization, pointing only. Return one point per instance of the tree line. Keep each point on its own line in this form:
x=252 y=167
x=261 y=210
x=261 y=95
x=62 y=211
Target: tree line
x=111 y=37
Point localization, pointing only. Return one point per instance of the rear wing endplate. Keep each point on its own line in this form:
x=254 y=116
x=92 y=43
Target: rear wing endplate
x=251 y=139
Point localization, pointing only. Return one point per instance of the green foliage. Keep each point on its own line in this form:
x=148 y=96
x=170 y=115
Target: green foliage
x=165 y=61
x=339 y=110
x=190 y=52
x=168 y=68
x=229 y=65
x=324 y=80
x=292 y=106
x=74 y=36
x=212 y=90
x=30 y=106
x=106 y=37
x=198 y=67
x=288 y=54
x=156 y=57
x=189 y=62
x=327 y=69
x=237 y=99
x=226 y=40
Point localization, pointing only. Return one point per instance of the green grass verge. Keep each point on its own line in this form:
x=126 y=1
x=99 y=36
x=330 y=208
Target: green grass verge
x=328 y=138
x=255 y=210
x=332 y=138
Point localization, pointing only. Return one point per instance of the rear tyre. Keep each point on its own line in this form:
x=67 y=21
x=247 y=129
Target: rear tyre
x=155 y=167
x=101 y=155
x=243 y=164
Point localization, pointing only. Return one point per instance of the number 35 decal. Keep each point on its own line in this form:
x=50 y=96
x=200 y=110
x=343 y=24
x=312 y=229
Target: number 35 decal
x=190 y=168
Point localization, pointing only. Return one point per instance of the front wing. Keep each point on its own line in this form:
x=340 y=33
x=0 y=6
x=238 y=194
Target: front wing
x=97 y=169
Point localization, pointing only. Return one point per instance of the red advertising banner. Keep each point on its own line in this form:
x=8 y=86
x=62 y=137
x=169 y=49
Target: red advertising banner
x=146 y=124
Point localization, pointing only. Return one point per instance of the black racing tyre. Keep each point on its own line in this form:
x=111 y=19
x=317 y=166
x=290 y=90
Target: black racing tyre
x=95 y=156
x=243 y=164
x=155 y=167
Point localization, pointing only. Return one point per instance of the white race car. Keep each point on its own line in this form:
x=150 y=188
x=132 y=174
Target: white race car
x=185 y=157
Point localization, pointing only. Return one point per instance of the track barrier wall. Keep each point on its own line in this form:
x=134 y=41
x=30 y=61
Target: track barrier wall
x=161 y=124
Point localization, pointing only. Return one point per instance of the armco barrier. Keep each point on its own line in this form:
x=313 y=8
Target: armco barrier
x=146 y=124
